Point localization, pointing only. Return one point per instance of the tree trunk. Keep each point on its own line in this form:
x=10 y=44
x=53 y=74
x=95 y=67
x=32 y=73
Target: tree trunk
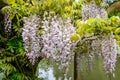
x=75 y=67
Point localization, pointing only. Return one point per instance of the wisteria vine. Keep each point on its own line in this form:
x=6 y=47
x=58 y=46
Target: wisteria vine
x=92 y=10
x=106 y=46
x=109 y=53
x=56 y=40
x=7 y=24
x=31 y=38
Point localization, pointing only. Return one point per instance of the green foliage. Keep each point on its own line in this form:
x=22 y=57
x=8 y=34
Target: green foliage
x=96 y=1
x=15 y=45
x=97 y=26
x=64 y=8
x=114 y=13
x=9 y=61
x=114 y=9
x=21 y=8
x=18 y=76
x=13 y=60
x=75 y=37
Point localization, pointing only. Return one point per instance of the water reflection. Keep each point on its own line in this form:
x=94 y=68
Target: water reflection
x=50 y=71
x=46 y=74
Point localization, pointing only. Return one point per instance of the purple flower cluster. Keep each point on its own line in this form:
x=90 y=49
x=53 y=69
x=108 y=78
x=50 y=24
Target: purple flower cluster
x=109 y=53
x=56 y=40
x=106 y=46
x=96 y=46
x=31 y=38
x=7 y=24
x=92 y=10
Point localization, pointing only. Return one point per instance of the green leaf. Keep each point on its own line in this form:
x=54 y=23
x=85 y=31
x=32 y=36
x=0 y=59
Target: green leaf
x=75 y=37
x=117 y=31
x=11 y=1
x=12 y=16
x=20 y=1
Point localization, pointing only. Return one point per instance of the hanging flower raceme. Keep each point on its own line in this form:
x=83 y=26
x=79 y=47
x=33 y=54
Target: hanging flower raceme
x=108 y=43
x=31 y=38
x=92 y=10
x=56 y=40
x=7 y=24
x=109 y=53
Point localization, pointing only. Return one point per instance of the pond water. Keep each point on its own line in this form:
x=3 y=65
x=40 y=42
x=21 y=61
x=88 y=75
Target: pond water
x=48 y=70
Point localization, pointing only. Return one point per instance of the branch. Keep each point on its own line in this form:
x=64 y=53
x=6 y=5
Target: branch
x=84 y=39
x=89 y=38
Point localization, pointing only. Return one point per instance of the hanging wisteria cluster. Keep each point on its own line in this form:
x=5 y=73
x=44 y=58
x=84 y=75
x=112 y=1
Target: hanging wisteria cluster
x=96 y=46
x=56 y=40
x=109 y=53
x=108 y=44
x=7 y=24
x=90 y=59
x=31 y=38
x=92 y=10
